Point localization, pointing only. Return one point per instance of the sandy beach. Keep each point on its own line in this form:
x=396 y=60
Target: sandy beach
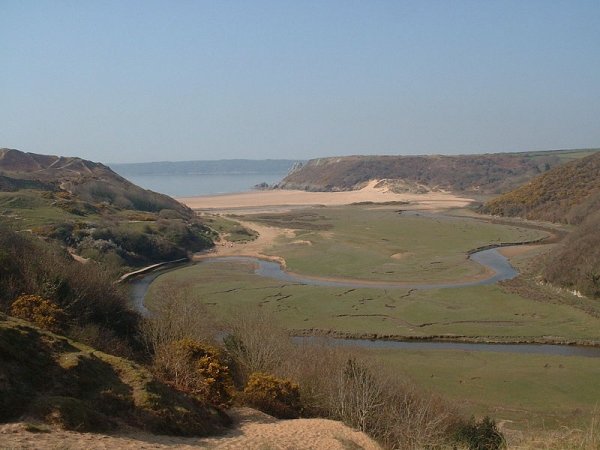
x=281 y=197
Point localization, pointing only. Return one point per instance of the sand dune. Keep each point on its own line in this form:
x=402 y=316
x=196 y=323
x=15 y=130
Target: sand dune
x=254 y=431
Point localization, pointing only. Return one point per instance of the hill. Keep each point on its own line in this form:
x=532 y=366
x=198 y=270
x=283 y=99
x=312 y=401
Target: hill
x=94 y=211
x=488 y=173
x=47 y=377
x=567 y=194
x=90 y=181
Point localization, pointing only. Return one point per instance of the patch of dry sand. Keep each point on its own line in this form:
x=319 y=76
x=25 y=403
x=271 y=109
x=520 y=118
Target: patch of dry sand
x=253 y=431
x=281 y=197
x=266 y=238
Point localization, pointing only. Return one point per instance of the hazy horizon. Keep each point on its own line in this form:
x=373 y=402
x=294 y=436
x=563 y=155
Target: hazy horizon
x=157 y=81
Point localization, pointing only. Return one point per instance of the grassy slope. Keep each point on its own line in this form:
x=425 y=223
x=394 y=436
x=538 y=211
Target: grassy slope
x=48 y=377
x=567 y=194
x=93 y=210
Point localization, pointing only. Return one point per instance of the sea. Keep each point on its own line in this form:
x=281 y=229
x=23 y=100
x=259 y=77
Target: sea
x=190 y=185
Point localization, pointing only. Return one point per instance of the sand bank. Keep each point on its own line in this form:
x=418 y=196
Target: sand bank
x=253 y=431
x=281 y=197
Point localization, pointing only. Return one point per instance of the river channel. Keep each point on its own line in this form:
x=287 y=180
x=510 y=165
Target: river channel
x=491 y=259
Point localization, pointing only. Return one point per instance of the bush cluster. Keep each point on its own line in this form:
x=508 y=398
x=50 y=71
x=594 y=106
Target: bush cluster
x=40 y=312
x=275 y=396
x=196 y=368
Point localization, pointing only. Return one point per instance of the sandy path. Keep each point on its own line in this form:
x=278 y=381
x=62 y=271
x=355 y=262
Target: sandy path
x=254 y=430
x=281 y=197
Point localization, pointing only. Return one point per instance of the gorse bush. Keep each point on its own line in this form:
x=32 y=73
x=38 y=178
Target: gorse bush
x=195 y=368
x=483 y=435
x=39 y=311
x=275 y=396
x=85 y=293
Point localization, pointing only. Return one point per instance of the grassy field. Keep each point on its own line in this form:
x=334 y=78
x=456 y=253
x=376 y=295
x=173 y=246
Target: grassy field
x=481 y=311
x=533 y=391
x=383 y=244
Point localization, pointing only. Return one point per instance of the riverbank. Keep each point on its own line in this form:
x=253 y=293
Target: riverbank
x=508 y=343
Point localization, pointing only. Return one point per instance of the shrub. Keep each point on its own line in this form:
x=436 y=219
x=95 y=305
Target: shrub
x=483 y=435
x=195 y=368
x=39 y=311
x=275 y=396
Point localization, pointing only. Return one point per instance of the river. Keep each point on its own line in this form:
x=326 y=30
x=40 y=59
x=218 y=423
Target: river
x=490 y=258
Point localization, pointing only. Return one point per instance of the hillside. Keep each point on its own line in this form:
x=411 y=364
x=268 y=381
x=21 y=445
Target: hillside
x=49 y=378
x=488 y=173
x=94 y=211
x=566 y=194
x=89 y=181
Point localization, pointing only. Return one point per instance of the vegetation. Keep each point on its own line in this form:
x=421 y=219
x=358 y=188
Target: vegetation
x=567 y=194
x=39 y=311
x=483 y=435
x=49 y=378
x=95 y=212
x=384 y=244
x=275 y=396
x=42 y=283
x=489 y=173
x=197 y=369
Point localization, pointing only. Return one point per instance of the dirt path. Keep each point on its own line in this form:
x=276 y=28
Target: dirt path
x=253 y=431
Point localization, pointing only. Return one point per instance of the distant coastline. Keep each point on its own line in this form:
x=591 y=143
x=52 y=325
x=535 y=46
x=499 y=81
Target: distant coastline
x=197 y=178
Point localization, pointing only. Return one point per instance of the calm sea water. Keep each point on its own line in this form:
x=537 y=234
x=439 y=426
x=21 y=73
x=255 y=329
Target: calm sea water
x=192 y=185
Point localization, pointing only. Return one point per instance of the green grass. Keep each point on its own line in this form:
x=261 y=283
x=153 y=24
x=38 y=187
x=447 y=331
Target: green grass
x=27 y=209
x=474 y=311
x=380 y=244
x=534 y=391
x=233 y=231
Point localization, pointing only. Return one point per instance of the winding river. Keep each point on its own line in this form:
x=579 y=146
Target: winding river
x=498 y=265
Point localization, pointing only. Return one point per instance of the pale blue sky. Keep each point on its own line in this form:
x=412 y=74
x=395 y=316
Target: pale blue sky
x=125 y=81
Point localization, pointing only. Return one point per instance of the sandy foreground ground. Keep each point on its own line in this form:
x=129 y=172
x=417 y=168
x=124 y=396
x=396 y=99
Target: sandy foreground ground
x=280 y=197
x=254 y=431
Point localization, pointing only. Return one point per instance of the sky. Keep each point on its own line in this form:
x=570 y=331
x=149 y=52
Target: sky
x=136 y=81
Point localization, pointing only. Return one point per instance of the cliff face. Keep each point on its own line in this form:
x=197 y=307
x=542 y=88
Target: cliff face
x=489 y=173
